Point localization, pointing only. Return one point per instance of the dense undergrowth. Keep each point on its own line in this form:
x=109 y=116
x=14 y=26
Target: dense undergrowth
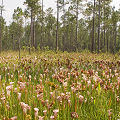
x=59 y=86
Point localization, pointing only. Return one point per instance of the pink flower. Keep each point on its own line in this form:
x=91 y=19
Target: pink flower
x=36 y=111
x=3 y=98
x=109 y=112
x=55 y=112
x=117 y=98
x=19 y=96
x=40 y=118
x=22 y=86
x=65 y=84
x=52 y=117
x=15 y=90
x=74 y=115
x=13 y=118
x=11 y=83
x=10 y=87
x=45 y=112
x=62 y=95
x=81 y=98
x=25 y=107
x=25 y=111
x=8 y=92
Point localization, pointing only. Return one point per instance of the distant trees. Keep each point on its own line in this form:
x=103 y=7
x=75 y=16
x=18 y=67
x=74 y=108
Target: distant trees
x=99 y=11
x=32 y=7
x=76 y=7
x=76 y=26
x=18 y=20
x=1 y=21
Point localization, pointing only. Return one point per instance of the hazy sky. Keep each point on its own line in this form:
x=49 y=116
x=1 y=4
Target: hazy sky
x=10 y=5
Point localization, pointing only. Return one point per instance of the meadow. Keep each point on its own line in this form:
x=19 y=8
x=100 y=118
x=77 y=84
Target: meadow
x=59 y=86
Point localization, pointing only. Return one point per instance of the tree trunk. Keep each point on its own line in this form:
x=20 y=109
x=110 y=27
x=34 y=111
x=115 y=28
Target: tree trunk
x=99 y=26
x=107 y=41
x=31 y=33
x=63 y=40
x=57 y=27
x=19 y=47
x=42 y=28
x=34 y=33
x=111 y=46
x=93 y=36
x=115 y=34
x=77 y=25
x=13 y=41
x=32 y=30
x=104 y=27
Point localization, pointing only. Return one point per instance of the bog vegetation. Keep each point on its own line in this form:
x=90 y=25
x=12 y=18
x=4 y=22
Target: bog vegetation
x=62 y=86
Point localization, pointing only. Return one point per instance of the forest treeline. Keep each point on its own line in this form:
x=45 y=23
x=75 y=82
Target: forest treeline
x=77 y=25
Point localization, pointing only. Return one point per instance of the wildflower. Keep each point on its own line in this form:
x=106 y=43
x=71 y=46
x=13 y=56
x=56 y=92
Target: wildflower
x=81 y=98
x=8 y=92
x=91 y=99
x=13 y=118
x=69 y=102
x=3 y=98
x=36 y=111
x=40 y=96
x=11 y=83
x=59 y=98
x=22 y=86
x=65 y=84
x=62 y=95
x=109 y=112
x=41 y=75
x=51 y=94
x=117 y=98
x=74 y=115
x=8 y=107
x=43 y=102
x=46 y=101
x=85 y=100
x=73 y=89
x=25 y=110
x=20 y=78
x=55 y=112
x=25 y=107
x=88 y=93
x=52 y=117
x=30 y=77
x=19 y=96
x=11 y=76
x=28 y=117
x=88 y=82
x=15 y=90
x=45 y=112
x=10 y=87
x=40 y=117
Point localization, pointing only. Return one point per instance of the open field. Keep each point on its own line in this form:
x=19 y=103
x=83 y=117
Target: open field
x=62 y=86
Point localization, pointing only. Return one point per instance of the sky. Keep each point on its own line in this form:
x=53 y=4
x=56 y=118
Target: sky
x=10 y=5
